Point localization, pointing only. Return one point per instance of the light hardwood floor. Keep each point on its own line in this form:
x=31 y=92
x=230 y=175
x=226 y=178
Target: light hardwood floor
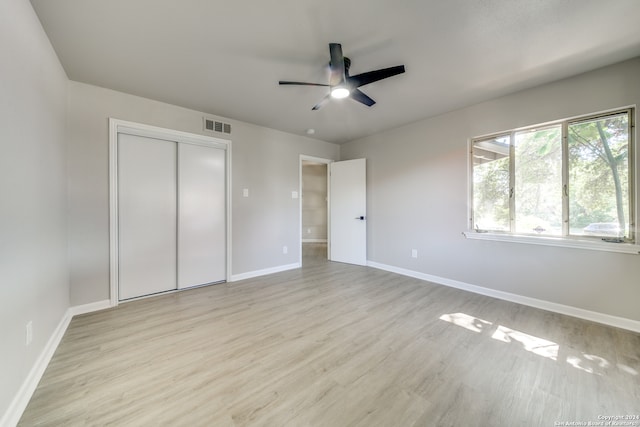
x=335 y=345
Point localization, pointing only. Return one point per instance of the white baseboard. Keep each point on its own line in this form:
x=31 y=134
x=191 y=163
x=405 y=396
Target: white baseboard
x=257 y=273
x=20 y=401
x=594 y=316
x=314 y=240
x=90 y=308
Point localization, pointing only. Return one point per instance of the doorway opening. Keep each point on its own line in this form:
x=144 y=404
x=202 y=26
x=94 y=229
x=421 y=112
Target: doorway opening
x=344 y=206
x=314 y=209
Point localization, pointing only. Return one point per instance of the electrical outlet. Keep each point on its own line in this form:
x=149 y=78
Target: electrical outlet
x=308 y=231
x=29 y=332
x=285 y=250
x=414 y=253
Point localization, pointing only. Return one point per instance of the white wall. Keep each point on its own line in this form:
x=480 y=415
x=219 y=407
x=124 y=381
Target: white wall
x=417 y=199
x=265 y=161
x=33 y=245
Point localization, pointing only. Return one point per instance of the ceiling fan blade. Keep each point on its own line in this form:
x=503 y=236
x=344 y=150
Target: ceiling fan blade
x=337 y=64
x=359 y=96
x=321 y=103
x=282 y=82
x=373 y=76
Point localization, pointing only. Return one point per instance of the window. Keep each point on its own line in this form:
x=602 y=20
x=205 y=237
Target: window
x=573 y=178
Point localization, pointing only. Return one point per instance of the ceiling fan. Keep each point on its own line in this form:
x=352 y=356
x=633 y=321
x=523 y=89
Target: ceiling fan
x=342 y=85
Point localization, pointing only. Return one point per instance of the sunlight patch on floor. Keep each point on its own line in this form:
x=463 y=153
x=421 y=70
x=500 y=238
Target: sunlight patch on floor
x=628 y=369
x=583 y=364
x=530 y=343
x=589 y=363
x=468 y=322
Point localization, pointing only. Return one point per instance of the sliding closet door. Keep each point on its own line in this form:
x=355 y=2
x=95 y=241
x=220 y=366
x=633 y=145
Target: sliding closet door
x=201 y=215
x=146 y=215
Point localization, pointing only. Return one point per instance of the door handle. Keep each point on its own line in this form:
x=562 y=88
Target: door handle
x=361 y=218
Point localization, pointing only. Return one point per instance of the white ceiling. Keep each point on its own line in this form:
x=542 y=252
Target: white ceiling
x=225 y=57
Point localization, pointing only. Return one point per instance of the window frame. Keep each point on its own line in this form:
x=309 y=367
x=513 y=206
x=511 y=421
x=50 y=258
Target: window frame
x=566 y=239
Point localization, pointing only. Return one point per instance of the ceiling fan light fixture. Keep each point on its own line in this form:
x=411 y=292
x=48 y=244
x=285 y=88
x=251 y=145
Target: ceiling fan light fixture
x=341 y=84
x=339 y=92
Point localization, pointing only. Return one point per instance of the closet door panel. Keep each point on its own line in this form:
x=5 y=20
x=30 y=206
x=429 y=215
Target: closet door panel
x=147 y=193
x=201 y=215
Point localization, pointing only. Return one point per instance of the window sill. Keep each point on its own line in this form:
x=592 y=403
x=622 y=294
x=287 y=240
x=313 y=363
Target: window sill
x=625 y=248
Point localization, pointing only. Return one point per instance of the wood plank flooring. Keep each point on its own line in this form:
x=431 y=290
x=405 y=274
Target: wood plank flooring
x=334 y=345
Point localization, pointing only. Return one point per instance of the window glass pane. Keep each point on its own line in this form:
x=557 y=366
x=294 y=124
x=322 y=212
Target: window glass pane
x=491 y=183
x=538 y=181
x=599 y=177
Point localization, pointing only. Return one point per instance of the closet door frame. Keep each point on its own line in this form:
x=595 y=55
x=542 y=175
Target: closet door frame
x=117 y=126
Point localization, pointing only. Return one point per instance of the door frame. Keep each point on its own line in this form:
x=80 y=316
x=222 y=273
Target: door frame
x=121 y=126
x=316 y=160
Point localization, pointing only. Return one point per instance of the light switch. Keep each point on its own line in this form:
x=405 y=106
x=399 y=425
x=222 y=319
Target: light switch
x=245 y=192
x=294 y=194
x=414 y=253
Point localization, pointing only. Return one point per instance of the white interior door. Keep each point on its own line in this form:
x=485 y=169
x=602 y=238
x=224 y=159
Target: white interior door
x=201 y=215
x=146 y=216
x=348 y=212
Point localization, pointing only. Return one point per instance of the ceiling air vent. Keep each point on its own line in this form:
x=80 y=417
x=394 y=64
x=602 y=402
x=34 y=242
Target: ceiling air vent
x=215 y=126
